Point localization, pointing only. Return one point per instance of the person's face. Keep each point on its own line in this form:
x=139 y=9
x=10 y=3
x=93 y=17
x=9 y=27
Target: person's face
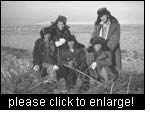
x=104 y=18
x=97 y=47
x=71 y=44
x=46 y=37
x=60 y=25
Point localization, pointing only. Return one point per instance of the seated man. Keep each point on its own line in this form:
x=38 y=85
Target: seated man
x=44 y=56
x=102 y=60
x=72 y=56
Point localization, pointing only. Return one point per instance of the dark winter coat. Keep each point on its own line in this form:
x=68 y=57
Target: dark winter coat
x=78 y=57
x=42 y=53
x=103 y=58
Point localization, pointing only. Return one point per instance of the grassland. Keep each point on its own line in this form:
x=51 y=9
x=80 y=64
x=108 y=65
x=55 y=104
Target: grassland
x=17 y=77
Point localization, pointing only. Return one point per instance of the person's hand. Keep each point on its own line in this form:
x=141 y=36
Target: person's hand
x=93 y=65
x=62 y=40
x=55 y=67
x=36 y=68
x=57 y=43
x=70 y=63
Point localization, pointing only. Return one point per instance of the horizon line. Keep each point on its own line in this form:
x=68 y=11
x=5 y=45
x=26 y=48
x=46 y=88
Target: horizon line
x=69 y=23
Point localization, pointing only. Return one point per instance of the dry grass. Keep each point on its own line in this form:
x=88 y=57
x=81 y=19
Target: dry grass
x=17 y=77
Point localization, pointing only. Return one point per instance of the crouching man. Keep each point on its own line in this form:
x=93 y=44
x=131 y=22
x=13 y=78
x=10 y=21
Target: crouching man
x=102 y=60
x=71 y=57
x=44 y=55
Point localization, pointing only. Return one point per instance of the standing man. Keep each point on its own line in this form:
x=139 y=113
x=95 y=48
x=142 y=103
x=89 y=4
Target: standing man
x=107 y=27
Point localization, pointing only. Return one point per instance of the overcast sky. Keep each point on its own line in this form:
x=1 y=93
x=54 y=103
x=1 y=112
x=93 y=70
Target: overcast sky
x=26 y=12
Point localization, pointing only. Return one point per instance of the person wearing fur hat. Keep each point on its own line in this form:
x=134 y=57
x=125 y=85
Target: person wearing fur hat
x=72 y=56
x=102 y=60
x=61 y=32
x=108 y=27
x=44 y=53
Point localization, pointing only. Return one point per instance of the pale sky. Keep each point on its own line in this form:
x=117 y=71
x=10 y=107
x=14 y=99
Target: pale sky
x=32 y=12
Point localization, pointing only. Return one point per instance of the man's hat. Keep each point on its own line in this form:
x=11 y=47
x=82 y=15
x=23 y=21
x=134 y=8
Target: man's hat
x=103 y=11
x=45 y=30
x=61 y=18
x=99 y=40
x=102 y=41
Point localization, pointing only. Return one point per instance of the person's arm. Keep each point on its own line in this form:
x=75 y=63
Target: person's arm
x=114 y=39
x=94 y=34
x=55 y=60
x=62 y=58
x=67 y=34
x=105 y=61
x=36 y=54
x=81 y=58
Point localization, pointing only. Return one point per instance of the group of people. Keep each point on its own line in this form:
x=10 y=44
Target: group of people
x=58 y=53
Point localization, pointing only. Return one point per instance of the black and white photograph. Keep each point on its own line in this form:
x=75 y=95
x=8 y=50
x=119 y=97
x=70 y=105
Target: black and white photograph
x=72 y=47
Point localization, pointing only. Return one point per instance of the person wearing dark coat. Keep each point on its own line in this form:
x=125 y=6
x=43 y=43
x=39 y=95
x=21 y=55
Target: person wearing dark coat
x=107 y=27
x=61 y=31
x=102 y=60
x=73 y=56
x=44 y=53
